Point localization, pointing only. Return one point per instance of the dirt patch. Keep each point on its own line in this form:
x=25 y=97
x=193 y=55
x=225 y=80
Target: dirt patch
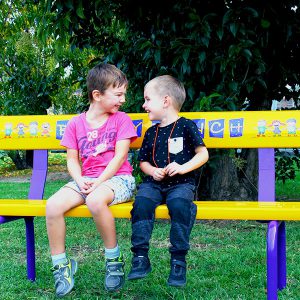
x=52 y=176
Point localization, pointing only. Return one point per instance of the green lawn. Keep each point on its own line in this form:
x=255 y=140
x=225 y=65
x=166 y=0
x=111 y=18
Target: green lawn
x=290 y=190
x=226 y=261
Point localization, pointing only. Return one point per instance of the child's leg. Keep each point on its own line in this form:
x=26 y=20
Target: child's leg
x=182 y=211
x=98 y=203
x=146 y=200
x=63 y=268
x=116 y=190
x=62 y=201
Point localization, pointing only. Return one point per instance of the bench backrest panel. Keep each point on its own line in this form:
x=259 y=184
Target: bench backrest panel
x=242 y=129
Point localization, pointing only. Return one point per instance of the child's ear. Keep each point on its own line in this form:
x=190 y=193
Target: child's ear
x=96 y=95
x=167 y=101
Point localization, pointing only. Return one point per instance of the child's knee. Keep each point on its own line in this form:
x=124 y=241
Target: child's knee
x=180 y=210
x=97 y=204
x=53 y=207
x=143 y=209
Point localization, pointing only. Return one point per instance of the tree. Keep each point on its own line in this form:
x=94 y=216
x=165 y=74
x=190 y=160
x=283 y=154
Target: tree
x=33 y=76
x=223 y=51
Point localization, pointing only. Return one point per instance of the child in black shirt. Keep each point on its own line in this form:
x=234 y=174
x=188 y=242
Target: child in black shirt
x=170 y=152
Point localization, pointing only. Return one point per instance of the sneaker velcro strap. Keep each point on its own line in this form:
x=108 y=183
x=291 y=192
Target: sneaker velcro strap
x=115 y=268
x=178 y=263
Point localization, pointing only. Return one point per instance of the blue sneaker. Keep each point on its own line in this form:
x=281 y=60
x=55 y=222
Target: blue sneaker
x=140 y=267
x=115 y=275
x=64 y=277
x=177 y=275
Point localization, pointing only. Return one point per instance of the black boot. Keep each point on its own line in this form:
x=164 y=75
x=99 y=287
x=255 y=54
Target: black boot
x=140 y=267
x=177 y=275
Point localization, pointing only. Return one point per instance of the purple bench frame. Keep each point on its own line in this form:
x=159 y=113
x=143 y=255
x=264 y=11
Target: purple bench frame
x=276 y=246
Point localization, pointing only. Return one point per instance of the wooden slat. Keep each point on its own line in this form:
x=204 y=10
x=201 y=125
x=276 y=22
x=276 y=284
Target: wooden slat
x=219 y=129
x=214 y=210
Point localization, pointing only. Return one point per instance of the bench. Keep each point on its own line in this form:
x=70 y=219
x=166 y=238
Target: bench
x=219 y=130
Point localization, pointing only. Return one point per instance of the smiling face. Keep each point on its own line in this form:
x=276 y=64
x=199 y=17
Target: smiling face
x=113 y=98
x=154 y=103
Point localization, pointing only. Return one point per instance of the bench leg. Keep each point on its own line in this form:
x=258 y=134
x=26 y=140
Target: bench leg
x=30 y=248
x=276 y=259
x=5 y=219
x=36 y=191
x=272 y=259
x=281 y=256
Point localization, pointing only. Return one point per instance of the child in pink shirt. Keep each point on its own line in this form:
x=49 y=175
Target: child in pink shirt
x=97 y=143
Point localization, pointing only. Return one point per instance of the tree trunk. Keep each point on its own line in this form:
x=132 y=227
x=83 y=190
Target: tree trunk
x=29 y=158
x=19 y=159
x=229 y=177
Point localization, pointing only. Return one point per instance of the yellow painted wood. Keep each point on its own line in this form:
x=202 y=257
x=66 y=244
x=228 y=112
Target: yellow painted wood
x=211 y=210
x=238 y=129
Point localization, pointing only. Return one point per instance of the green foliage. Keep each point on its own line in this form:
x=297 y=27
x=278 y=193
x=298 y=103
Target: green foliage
x=231 y=49
x=137 y=172
x=3 y=156
x=34 y=74
x=287 y=165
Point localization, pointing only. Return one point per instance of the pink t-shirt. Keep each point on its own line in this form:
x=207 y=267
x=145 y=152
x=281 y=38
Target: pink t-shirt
x=97 y=146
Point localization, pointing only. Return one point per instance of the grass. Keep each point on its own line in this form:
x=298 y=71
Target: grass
x=290 y=190
x=226 y=260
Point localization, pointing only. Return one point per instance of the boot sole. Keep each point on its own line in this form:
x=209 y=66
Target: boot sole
x=139 y=276
x=176 y=284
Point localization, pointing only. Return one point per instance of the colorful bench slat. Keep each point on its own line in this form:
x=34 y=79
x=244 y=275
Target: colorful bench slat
x=207 y=210
x=219 y=130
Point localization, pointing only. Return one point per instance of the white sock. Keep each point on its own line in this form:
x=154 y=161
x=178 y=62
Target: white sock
x=111 y=253
x=59 y=259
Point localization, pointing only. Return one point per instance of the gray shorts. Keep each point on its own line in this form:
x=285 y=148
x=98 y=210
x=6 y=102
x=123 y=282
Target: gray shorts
x=123 y=187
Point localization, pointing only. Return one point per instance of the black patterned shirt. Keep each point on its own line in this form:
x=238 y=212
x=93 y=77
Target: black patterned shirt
x=184 y=140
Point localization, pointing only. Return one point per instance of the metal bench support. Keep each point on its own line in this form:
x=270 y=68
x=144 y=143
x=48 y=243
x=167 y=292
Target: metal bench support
x=36 y=191
x=276 y=243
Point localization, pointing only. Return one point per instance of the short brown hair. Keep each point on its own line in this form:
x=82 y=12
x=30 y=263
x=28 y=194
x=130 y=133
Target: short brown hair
x=171 y=86
x=102 y=76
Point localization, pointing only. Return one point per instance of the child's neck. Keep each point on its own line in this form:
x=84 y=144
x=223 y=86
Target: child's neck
x=96 y=117
x=168 y=119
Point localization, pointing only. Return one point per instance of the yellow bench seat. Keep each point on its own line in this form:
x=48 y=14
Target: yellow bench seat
x=222 y=210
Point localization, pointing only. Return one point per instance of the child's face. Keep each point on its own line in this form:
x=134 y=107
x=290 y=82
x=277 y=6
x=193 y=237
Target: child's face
x=154 y=104
x=113 y=98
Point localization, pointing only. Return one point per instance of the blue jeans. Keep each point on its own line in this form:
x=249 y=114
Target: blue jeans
x=182 y=211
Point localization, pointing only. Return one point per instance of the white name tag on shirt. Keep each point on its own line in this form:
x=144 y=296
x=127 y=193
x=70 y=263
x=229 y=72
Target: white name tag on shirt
x=176 y=145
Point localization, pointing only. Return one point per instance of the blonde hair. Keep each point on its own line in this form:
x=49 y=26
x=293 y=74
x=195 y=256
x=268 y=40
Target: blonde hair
x=102 y=76
x=171 y=86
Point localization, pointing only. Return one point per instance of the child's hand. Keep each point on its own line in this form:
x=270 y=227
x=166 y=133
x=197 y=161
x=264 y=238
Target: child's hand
x=85 y=185
x=173 y=169
x=158 y=174
x=92 y=186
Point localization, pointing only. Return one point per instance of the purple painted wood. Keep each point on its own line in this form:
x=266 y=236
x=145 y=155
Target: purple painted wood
x=36 y=191
x=266 y=174
x=5 y=219
x=30 y=248
x=276 y=245
x=281 y=256
x=39 y=174
x=272 y=257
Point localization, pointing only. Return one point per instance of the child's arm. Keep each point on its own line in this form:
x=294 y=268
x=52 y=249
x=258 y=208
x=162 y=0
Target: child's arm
x=121 y=152
x=74 y=169
x=157 y=173
x=200 y=158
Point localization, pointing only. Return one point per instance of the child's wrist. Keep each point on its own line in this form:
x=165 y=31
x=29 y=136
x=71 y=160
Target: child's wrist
x=153 y=171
